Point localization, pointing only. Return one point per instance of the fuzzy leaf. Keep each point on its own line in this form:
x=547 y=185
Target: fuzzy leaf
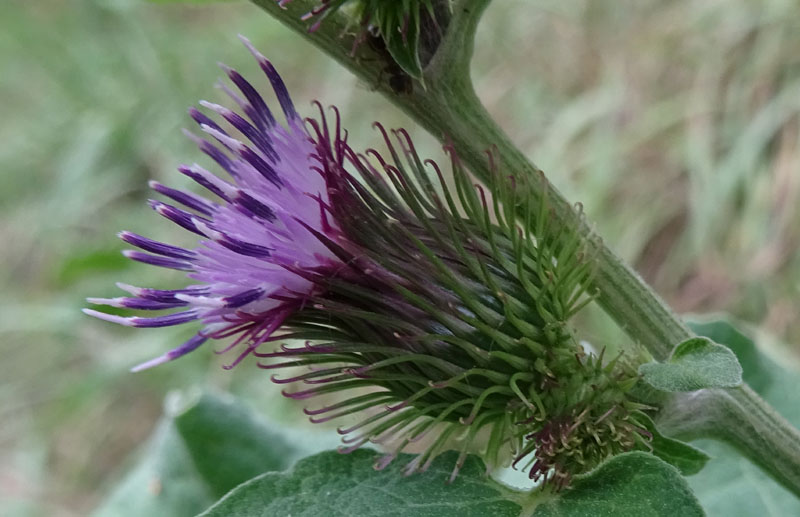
x=330 y=483
x=164 y=482
x=755 y=370
x=730 y=484
x=695 y=364
x=228 y=444
x=193 y=458
x=634 y=483
x=687 y=459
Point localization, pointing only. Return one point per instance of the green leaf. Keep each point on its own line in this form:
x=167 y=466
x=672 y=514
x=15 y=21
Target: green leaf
x=76 y=267
x=634 y=483
x=228 y=444
x=164 y=482
x=730 y=484
x=755 y=370
x=687 y=459
x=211 y=446
x=405 y=50
x=330 y=483
x=695 y=364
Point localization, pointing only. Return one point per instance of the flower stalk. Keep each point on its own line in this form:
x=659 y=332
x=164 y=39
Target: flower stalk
x=741 y=418
x=448 y=108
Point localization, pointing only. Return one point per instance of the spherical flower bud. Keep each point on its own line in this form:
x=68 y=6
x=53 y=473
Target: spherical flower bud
x=439 y=314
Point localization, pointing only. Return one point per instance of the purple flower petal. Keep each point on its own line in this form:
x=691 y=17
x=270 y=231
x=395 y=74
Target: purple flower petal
x=136 y=303
x=167 y=320
x=155 y=260
x=156 y=247
x=187 y=199
x=175 y=353
x=272 y=213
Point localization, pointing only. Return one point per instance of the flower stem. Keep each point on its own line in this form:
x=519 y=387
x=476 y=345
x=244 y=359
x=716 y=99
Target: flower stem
x=449 y=108
x=741 y=418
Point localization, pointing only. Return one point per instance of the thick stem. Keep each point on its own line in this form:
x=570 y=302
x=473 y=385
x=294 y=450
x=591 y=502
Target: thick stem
x=450 y=110
x=741 y=418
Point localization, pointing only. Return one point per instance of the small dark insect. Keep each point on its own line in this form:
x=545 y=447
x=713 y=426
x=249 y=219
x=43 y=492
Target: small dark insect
x=400 y=82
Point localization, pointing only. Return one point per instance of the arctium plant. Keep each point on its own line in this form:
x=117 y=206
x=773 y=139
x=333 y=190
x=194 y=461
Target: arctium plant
x=436 y=313
x=413 y=300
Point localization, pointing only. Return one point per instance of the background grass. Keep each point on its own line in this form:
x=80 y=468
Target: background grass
x=677 y=124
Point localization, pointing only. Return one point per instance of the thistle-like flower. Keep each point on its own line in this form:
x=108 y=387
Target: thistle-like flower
x=438 y=314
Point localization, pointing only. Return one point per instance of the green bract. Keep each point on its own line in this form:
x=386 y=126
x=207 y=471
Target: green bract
x=449 y=325
x=401 y=24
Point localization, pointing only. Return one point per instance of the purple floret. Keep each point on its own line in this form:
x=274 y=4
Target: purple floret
x=262 y=226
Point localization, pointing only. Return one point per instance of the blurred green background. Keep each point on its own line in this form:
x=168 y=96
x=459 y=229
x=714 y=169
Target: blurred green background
x=677 y=124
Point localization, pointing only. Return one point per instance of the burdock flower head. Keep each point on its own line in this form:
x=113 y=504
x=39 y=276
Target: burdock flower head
x=426 y=308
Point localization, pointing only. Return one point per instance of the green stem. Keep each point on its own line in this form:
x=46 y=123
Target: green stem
x=449 y=108
x=741 y=418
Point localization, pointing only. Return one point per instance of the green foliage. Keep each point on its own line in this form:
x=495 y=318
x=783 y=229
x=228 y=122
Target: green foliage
x=165 y=481
x=89 y=263
x=756 y=368
x=401 y=25
x=731 y=485
x=228 y=443
x=404 y=48
x=687 y=459
x=194 y=457
x=333 y=484
x=634 y=483
x=695 y=364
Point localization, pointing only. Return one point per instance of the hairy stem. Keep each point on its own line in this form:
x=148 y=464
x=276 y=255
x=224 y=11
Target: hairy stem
x=741 y=418
x=449 y=108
